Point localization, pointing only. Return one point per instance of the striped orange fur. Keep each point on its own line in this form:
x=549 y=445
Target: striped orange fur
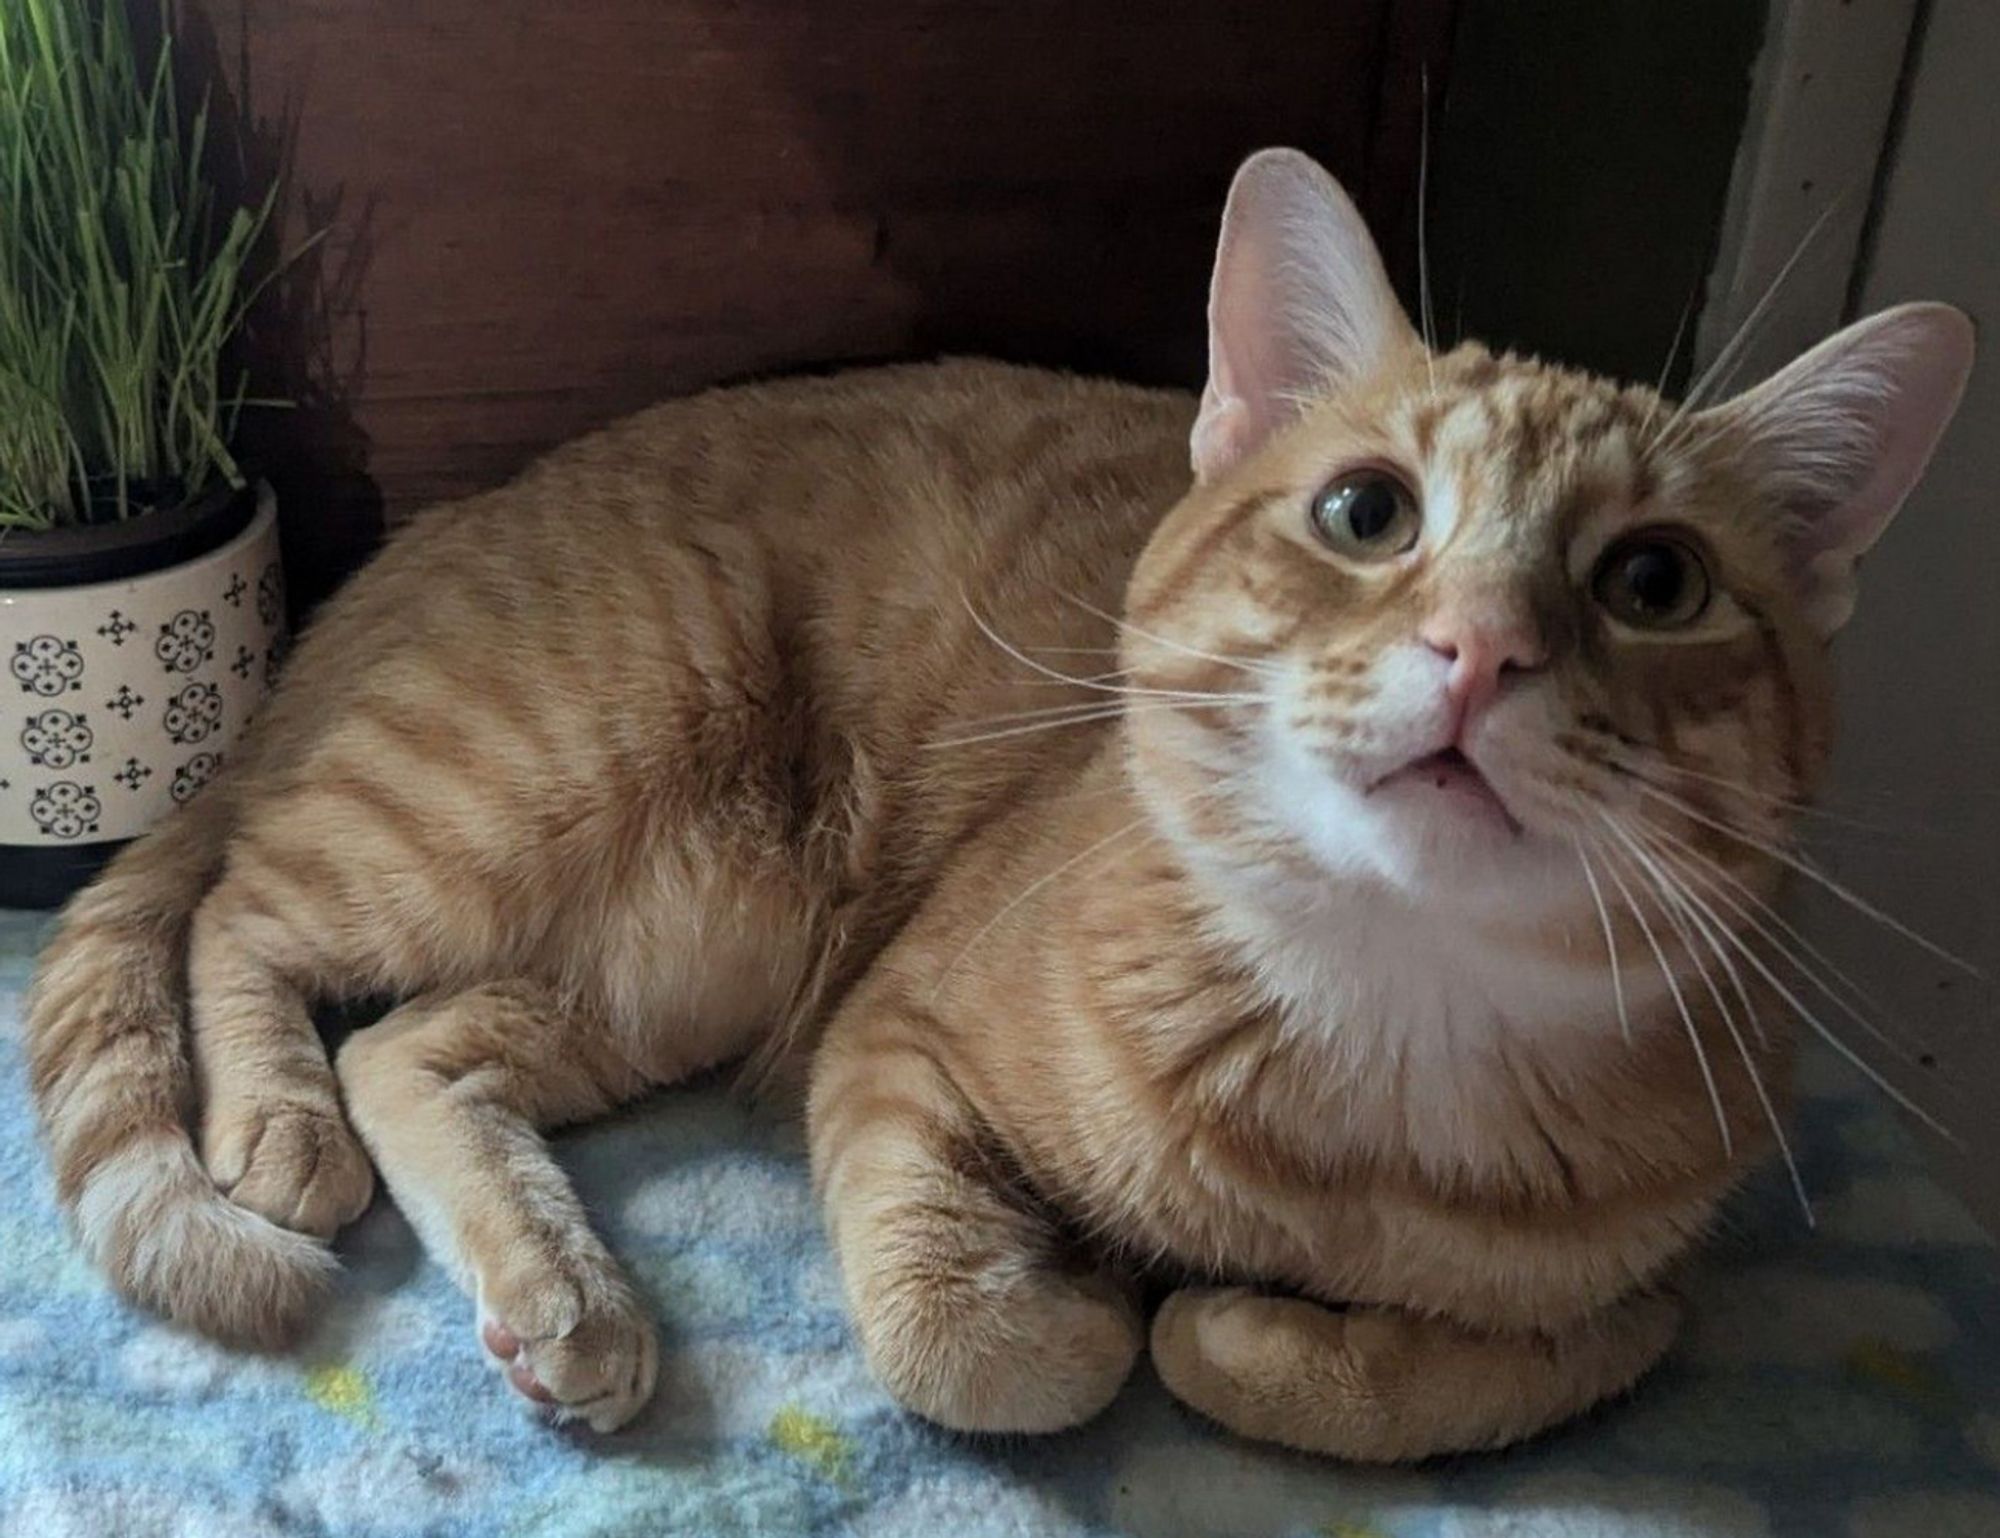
x=925 y=732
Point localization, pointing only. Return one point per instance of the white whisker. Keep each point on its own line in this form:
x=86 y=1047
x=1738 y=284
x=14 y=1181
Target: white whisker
x=1773 y=803
x=1678 y=893
x=1728 y=962
x=1680 y=1002
x=1219 y=789
x=1784 y=952
x=1031 y=889
x=1673 y=352
x=1653 y=831
x=1247 y=664
x=1086 y=679
x=1826 y=1034
x=1083 y=683
x=1081 y=716
x=1610 y=944
x=1727 y=357
x=1101 y=713
x=1043 y=712
x=1804 y=868
x=1423 y=238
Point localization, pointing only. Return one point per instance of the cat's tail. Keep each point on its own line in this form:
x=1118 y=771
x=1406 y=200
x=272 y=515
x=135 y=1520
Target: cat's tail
x=108 y=1055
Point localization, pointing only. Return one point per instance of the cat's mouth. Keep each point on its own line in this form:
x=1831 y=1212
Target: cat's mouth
x=1449 y=773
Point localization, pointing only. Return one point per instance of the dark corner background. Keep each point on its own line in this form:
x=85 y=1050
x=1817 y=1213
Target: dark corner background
x=1584 y=164
x=538 y=218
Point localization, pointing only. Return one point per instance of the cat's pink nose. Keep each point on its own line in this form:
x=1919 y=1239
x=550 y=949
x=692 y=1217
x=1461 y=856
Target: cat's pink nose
x=1482 y=650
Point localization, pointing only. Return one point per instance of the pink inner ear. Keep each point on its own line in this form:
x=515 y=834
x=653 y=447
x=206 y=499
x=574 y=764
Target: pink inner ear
x=1299 y=301
x=1842 y=435
x=1223 y=432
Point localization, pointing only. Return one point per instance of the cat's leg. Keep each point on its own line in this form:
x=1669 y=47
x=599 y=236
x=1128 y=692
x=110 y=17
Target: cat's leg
x=448 y=1092
x=968 y=1306
x=1379 y=1386
x=272 y=1134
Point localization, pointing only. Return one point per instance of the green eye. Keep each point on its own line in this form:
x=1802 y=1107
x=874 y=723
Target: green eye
x=1368 y=514
x=1652 y=581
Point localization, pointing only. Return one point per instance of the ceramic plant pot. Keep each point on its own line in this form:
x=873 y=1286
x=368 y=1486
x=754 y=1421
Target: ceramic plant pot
x=132 y=656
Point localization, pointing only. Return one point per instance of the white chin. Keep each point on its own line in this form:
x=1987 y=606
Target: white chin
x=1440 y=844
x=1458 y=859
x=1449 y=842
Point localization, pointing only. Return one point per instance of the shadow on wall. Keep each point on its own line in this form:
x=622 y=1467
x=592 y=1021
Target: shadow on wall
x=297 y=349
x=549 y=217
x=540 y=219
x=1064 y=205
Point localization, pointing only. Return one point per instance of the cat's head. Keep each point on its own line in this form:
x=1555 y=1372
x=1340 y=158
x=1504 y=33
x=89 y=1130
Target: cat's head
x=1471 y=613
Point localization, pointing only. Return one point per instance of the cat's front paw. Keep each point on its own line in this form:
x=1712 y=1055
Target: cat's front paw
x=1231 y=1353
x=298 y=1165
x=1376 y=1385
x=1043 y=1352
x=574 y=1340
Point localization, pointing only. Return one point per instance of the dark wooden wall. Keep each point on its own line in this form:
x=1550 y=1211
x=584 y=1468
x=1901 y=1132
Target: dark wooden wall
x=541 y=216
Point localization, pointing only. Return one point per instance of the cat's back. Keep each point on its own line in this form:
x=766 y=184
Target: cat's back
x=818 y=539
x=973 y=413
x=740 y=623
x=831 y=502
x=819 y=483
x=868 y=442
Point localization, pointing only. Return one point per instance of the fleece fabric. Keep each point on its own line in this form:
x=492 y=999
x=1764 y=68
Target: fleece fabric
x=1843 y=1383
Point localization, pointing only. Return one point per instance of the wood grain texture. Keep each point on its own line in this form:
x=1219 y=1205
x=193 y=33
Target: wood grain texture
x=541 y=217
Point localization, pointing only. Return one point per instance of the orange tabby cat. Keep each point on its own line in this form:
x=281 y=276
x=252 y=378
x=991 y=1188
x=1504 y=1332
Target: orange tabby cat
x=1334 y=888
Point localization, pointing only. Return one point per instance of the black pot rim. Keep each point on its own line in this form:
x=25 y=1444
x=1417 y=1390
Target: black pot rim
x=108 y=552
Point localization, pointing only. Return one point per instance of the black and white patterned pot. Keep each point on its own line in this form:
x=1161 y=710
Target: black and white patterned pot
x=133 y=659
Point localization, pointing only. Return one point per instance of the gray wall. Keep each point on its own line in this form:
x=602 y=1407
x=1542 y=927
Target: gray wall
x=1921 y=662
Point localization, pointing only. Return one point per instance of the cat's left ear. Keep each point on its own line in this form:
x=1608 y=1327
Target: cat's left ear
x=1299 y=305
x=1841 y=436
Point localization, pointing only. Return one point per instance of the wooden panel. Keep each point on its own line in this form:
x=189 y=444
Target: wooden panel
x=543 y=216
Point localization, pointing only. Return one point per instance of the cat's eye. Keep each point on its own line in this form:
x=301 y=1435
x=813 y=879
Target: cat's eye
x=1368 y=514
x=1652 y=581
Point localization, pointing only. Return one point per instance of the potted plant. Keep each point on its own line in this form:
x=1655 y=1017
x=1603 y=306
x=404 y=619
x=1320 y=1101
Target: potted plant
x=141 y=597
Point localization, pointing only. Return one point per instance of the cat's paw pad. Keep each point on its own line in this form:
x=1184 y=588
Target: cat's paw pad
x=298 y=1165
x=582 y=1350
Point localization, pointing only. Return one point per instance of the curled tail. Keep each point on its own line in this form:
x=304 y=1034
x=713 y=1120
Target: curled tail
x=108 y=1054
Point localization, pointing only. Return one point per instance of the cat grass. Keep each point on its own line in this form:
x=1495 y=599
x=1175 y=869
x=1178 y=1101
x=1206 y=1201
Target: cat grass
x=123 y=275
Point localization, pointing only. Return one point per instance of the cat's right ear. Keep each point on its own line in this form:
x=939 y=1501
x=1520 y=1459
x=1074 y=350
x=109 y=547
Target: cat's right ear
x=1840 y=437
x=1299 y=305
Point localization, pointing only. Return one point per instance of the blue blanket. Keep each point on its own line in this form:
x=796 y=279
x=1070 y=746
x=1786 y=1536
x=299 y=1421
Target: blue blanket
x=1843 y=1383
